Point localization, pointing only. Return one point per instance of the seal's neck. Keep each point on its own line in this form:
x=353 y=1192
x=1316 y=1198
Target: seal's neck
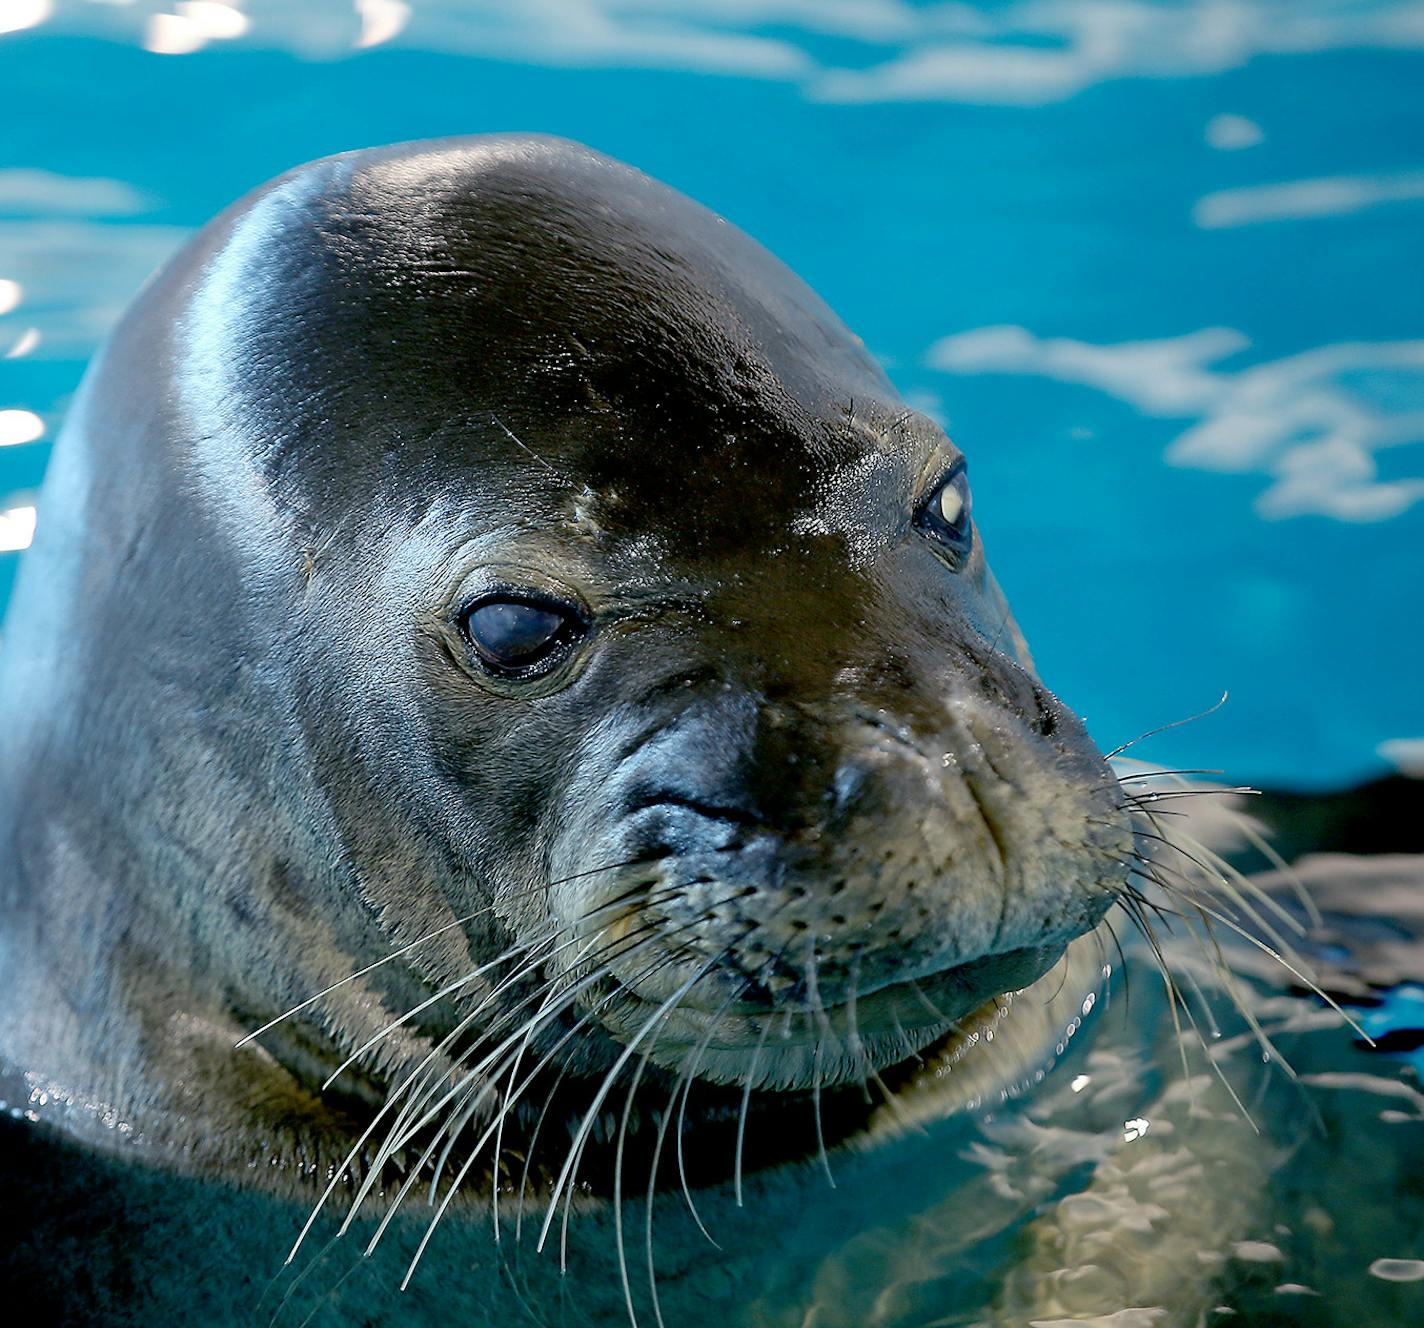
x=160 y=891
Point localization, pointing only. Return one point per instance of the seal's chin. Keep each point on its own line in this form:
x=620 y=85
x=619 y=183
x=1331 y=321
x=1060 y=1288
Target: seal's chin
x=812 y=1044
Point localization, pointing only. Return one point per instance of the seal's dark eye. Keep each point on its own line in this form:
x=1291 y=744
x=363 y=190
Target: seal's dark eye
x=521 y=637
x=946 y=516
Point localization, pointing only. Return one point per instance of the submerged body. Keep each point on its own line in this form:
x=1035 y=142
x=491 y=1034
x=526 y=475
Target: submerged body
x=494 y=633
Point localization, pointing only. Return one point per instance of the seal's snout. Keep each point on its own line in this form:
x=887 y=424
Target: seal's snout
x=861 y=873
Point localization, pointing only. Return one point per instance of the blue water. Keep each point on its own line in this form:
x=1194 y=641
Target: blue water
x=1241 y=510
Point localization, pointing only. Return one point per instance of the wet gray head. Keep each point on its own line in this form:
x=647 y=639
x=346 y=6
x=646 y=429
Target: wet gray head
x=479 y=530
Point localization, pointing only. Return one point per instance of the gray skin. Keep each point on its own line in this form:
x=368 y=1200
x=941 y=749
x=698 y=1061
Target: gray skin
x=789 y=806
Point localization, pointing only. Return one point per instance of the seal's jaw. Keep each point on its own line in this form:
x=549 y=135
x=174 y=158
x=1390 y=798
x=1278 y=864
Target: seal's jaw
x=794 y=1047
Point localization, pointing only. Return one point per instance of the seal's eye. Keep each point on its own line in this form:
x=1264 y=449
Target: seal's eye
x=518 y=636
x=946 y=516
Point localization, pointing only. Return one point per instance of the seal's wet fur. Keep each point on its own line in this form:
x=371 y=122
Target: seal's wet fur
x=788 y=814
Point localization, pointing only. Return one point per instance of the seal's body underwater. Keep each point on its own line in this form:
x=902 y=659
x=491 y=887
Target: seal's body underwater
x=481 y=586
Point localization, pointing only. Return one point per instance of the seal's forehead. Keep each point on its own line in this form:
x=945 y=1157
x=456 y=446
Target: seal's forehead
x=489 y=274
x=529 y=253
x=432 y=302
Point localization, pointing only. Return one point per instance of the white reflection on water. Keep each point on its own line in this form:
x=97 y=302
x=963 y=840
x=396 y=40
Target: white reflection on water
x=1231 y=133
x=1405 y=754
x=16 y=15
x=79 y=276
x=1021 y=52
x=74 y=272
x=1311 y=422
x=381 y=21
x=17 y=528
x=23 y=344
x=26 y=190
x=1297 y=200
x=20 y=426
x=192 y=25
x=1135 y=1129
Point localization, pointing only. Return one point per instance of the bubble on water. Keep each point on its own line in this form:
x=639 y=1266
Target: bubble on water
x=1398 y=1270
x=1257 y=1251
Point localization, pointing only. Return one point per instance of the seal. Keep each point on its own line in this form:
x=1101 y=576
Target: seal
x=495 y=632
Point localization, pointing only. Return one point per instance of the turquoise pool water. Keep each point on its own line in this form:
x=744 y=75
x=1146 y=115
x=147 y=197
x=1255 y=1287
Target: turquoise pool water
x=1156 y=266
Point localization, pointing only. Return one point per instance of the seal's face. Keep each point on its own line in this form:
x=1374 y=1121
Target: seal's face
x=812 y=805
x=636 y=611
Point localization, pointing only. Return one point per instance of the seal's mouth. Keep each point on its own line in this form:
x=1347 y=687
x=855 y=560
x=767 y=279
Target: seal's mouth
x=807 y=1042
x=746 y=1122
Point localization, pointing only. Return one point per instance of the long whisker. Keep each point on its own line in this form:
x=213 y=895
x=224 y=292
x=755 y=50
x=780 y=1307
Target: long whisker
x=527 y=1033
x=534 y=1139
x=689 y=1074
x=474 y=1152
x=577 y=1149
x=1226 y=882
x=430 y=935
x=1164 y=728
x=532 y=1026
x=817 y=1012
x=528 y=947
x=392 y=1099
x=746 y=1105
x=400 y=1133
x=522 y=1035
x=628 y=1051
x=1219 y=873
x=618 y=1188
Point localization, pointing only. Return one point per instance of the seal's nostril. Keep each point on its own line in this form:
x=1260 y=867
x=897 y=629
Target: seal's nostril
x=667 y=799
x=1047 y=713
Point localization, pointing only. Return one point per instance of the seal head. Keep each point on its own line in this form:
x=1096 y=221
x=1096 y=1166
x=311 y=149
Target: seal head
x=477 y=553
